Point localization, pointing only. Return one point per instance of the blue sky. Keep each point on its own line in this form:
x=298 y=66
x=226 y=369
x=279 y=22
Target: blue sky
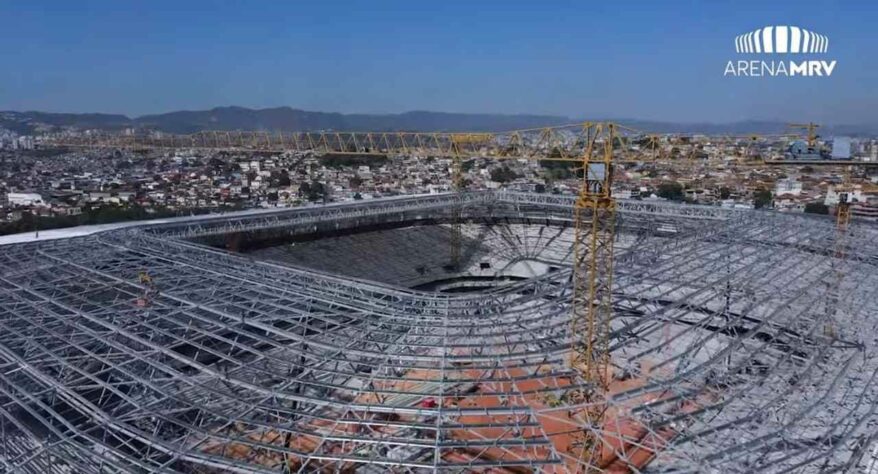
x=636 y=59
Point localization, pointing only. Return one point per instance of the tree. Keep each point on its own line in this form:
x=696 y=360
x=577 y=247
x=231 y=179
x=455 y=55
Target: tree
x=670 y=191
x=558 y=170
x=762 y=198
x=314 y=191
x=816 y=208
x=502 y=174
x=724 y=192
x=284 y=179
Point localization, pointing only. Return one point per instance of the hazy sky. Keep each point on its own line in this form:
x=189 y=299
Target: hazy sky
x=646 y=60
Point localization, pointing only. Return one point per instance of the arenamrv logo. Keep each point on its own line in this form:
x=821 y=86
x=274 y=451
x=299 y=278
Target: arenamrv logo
x=787 y=40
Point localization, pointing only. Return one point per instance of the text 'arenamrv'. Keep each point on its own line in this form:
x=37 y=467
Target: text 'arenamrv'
x=756 y=68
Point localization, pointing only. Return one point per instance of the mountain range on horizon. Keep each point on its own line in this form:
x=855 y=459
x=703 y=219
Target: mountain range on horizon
x=287 y=119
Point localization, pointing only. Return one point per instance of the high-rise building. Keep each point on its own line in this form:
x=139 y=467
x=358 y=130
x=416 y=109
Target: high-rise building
x=841 y=148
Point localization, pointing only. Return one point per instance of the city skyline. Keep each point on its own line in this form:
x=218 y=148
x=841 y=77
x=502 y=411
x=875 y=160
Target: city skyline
x=648 y=62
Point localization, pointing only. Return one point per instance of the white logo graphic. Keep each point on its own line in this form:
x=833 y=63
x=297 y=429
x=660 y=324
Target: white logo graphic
x=780 y=40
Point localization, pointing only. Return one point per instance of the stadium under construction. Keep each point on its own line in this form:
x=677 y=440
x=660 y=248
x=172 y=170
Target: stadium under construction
x=338 y=338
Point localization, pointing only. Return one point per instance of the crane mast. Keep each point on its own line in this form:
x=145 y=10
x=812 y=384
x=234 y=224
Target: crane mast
x=594 y=218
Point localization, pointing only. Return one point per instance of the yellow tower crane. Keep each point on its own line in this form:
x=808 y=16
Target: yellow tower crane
x=845 y=199
x=655 y=147
x=594 y=217
x=842 y=221
x=811 y=128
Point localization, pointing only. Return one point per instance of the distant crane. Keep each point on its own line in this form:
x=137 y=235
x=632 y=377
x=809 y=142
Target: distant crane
x=811 y=128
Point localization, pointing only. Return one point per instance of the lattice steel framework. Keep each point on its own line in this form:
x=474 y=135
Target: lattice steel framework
x=719 y=361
